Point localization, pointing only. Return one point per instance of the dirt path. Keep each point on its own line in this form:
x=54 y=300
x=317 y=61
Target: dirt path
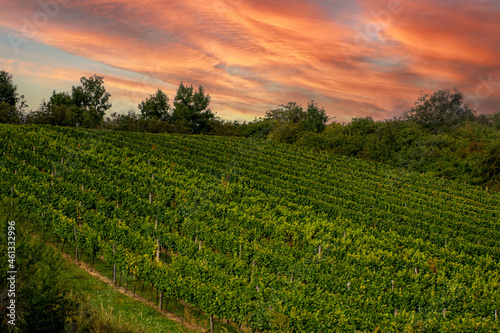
x=169 y=315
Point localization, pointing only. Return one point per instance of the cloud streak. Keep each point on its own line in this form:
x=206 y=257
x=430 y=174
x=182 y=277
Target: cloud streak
x=352 y=57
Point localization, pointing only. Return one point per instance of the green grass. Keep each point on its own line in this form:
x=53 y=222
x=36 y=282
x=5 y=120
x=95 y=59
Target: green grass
x=130 y=310
x=110 y=301
x=112 y=311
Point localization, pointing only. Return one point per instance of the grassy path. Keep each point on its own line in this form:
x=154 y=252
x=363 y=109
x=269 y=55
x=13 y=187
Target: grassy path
x=122 y=303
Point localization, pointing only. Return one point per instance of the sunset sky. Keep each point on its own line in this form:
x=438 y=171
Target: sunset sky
x=354 y=58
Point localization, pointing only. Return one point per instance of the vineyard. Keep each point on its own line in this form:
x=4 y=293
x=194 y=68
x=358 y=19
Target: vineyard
x=268 y=236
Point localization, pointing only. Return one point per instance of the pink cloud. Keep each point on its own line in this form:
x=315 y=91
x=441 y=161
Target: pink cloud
x=253 y=55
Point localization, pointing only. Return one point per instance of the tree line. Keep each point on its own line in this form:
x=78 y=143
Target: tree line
x=86 y=105
x=441 y=134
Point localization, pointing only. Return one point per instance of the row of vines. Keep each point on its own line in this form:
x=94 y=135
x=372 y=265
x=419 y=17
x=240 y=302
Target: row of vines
x=272 y=237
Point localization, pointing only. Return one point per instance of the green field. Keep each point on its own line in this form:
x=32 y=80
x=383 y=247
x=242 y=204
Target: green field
x=269 y=236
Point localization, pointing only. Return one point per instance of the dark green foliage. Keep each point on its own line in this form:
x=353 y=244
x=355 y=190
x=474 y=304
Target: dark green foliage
x=495 y=120
x=290 y=121
x=259 y=128
x=316 y=118
x=92 y=98
x=491 y=171
x=8 y=91
x=85 y=106
x=289 y=113
x=63 y=99
x=221 y=127
x=191 y=110
x=59 y=111
x=465 y=153
x=135 y=123
x=286 y=133
x=156 y=106
x=362 y=126
x=441 y=111
x=43 y=301
x=11 y=104
x=9 y=114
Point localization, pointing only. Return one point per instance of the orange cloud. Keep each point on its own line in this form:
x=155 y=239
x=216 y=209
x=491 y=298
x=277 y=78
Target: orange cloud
x=353 y=58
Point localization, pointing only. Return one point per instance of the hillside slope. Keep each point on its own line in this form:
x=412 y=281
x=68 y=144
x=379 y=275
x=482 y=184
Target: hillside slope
x=270 y=236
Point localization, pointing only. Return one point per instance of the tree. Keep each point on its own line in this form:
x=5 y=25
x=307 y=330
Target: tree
x=63 y=110
x=8 y=91
x=58 y=111
x=155 y=106
x=289 y=113
x=191 y=109
x=491 y=167
x=11 y=104
x=92 y=98
x=316 y=118
x=361 y=126
x=44 y=301
x=9 y=114
x=63 y=98
x=258 y=128
x=441 y=110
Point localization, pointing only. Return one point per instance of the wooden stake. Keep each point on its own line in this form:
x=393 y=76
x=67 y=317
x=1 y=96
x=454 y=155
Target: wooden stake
x=348 y=285
x=444 y=313
x=211 y=323
x=319 y=251
x=496 y=315
x=199 y=246
x=157 y=249
x=114 y=267
x=76 y=243
x=396 y=312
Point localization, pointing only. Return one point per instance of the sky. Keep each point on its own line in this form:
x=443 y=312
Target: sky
x=355 y=58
